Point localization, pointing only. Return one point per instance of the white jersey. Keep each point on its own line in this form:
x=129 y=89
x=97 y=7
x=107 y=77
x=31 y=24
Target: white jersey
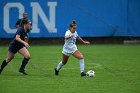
x=70 y=46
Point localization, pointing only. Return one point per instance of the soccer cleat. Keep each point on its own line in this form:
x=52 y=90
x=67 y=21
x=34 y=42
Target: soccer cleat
x=56 y=72
x=83 y=74
x=23 y=71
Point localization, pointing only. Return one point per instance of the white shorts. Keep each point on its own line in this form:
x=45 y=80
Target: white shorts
x=67 y=52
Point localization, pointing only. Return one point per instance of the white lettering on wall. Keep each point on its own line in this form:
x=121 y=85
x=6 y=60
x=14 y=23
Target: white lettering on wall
x=37 y=11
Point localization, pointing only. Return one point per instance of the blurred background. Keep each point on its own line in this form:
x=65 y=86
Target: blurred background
x=99 y=21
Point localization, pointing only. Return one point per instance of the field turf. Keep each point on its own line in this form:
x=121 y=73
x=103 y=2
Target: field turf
x=117 y=70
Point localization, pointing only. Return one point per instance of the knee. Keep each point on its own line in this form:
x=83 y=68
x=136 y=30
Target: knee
x=64 y=62
x=81 y=57
x=9 y=59
x=27 y=57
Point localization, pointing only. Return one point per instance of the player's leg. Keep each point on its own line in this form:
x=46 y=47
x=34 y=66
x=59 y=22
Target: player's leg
x=26 y=55
x=77 y=54
x=9 y=57
x=63 y=62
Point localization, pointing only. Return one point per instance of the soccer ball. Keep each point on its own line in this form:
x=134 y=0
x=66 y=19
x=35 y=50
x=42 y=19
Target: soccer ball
x=90 y=73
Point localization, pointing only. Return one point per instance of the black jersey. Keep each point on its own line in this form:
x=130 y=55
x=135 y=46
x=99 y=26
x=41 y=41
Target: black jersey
x=23 y=35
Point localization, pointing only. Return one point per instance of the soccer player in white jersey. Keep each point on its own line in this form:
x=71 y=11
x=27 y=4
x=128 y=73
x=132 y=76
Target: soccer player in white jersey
x=70 y=48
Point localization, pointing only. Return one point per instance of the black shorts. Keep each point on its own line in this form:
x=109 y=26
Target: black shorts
x=15 y=48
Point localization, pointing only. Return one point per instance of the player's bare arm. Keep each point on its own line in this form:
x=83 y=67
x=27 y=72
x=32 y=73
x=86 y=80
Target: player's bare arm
x=23 y=42
x=82 y=41
x=69 y=36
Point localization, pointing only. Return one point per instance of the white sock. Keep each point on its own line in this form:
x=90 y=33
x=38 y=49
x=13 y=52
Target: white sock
x=82 y=65
x=59 y=66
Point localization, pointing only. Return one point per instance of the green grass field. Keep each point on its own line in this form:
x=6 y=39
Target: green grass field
x=117 y=70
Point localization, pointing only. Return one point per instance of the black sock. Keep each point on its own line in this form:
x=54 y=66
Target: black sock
x=4 y=63
x=24 y=63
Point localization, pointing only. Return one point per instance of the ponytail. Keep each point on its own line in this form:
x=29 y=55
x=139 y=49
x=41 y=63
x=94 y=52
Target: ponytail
x=72 y=24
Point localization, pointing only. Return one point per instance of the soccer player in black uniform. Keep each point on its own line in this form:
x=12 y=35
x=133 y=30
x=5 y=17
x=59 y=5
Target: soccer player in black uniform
x=19 y=44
